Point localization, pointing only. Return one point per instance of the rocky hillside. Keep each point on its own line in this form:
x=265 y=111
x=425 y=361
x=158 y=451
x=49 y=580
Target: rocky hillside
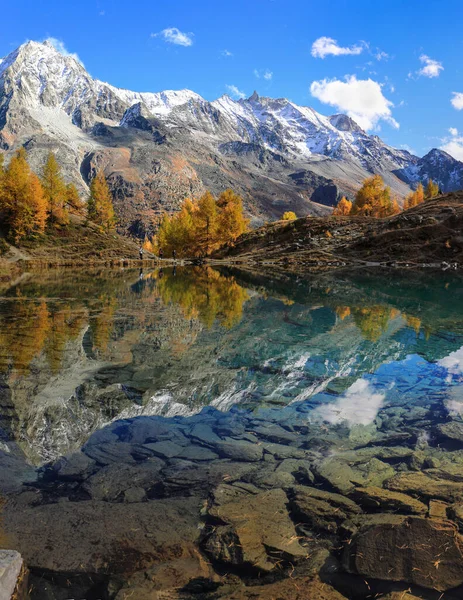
x=427 y=234
x=157 y=148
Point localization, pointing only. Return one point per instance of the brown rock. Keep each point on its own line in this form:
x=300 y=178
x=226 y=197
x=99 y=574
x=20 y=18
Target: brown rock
x=322 y=510
x=256 y=529
x=376 y=497
x=426 y=485
x=410 y=549
x=102 y=537
x=288 y=589
x=438 y=509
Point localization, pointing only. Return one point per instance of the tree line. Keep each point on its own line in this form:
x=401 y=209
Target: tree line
x=374 y=199
x=29 y=203
x=201 y=226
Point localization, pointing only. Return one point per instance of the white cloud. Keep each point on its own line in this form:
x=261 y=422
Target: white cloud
x=235 y=92
x=227 y=53
x=457 y=100
x=61 y=48
x=431 y=68
x=325 y=46
x=380 y=55
x=361 y=99
x=359 y=405
x=175 y=36
x=454 y=146
x=267 y=74
x=454 y=361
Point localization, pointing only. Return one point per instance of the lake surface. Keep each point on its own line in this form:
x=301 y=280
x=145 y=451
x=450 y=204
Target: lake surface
x=152 y=424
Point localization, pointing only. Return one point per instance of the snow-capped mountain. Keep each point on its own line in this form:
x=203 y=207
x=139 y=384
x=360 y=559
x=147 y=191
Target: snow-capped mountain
x=157 y=148
x=438 y=166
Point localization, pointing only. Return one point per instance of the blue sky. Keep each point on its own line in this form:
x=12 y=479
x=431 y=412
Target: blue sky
x=393 y=65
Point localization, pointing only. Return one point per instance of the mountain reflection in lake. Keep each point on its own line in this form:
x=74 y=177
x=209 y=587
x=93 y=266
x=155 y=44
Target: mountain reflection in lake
x=128 y=400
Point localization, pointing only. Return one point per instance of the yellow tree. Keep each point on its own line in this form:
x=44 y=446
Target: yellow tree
x=206 y=223
x=289 y=215
x=343 y=207
x=432 y=190
x=373 y=199
x=73 y=198
x=100 y=208
x=19 y=213
x=231 y=220
x=38 y=203
x=415 y=198
x=54 y=190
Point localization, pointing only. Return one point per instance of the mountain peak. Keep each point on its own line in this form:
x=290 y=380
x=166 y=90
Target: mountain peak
x=255 y=97
x=345 y=123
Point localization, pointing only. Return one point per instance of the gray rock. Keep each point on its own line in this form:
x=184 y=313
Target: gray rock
x=204 y=433
x=239 y=450
x=10 y=567
x=299 y=468
x=165 y=449
x=280 y=451
x=196 y=453
x=135 y=494
x=74 y=467
x=452 y=430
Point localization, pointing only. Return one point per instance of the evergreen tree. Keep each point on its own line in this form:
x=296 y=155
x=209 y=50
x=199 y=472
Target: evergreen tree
x=289 y=216
x=54 y=190
x=100 y=205
x=343 y=207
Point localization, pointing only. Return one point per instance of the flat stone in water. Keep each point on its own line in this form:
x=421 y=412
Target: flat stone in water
x=165 y=449
x=376 y=497
x=10 y=567
x=195 y=453
x=419 y=551
x=239 y=450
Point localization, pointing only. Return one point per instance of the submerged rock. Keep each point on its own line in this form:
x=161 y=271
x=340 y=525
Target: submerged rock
x=452 y=430
x=376 y=497
x=427 y=485
x=251 y=529
x=419 y=551
x=287 y=589
x=321 y=510
x=343 y=477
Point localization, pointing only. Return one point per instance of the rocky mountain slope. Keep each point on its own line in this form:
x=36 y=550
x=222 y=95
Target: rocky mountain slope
x=427 y=235
x=157 y=148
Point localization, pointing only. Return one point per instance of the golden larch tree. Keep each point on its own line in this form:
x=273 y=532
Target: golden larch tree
x=432 y=190
x=289 y=215
x=54 y=190
x=100 y=208
x=343 y=208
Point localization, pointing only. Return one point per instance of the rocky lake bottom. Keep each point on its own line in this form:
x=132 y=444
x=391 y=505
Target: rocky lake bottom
x=199 y=433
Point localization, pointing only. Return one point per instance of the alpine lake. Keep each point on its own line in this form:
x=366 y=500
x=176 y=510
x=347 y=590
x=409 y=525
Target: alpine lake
x=201 y=433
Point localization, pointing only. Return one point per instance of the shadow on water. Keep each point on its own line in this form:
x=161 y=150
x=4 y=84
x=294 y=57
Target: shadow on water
x=311 y=426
